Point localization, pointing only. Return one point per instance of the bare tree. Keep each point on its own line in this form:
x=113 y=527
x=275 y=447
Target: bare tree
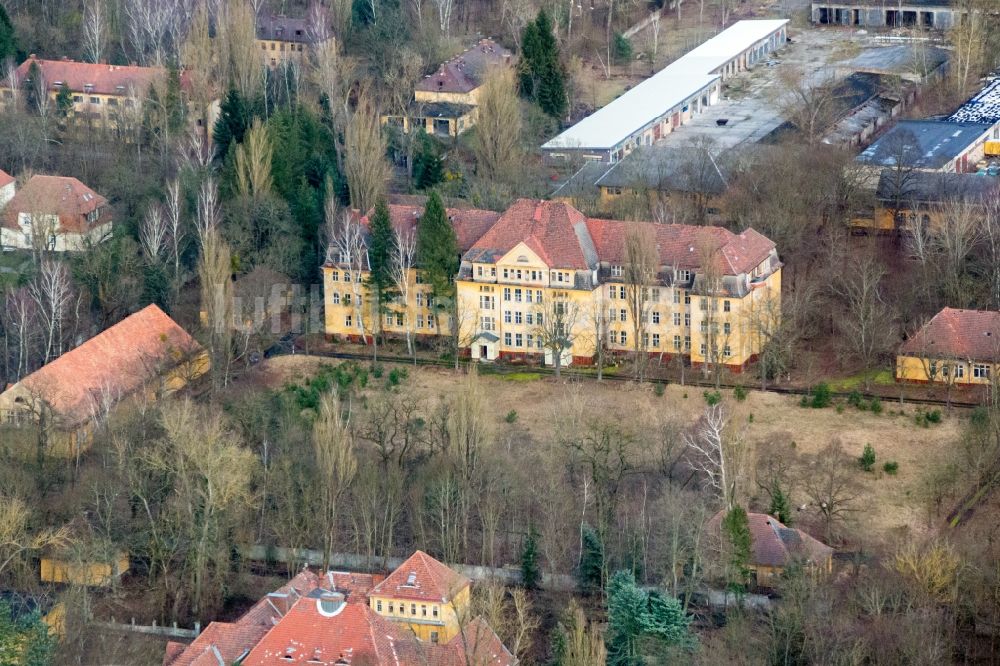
x=584 y=645
x=336 y=466
x=153 y=234
x=445 y=9
x=253 y=162
x=641 y=262
x=215 y=276
x=809 y=104
x=318 y=23
x=828 y=479
x=498 y=126
x=868 y=327
x=365 y=165
x=713 y=454
x=404 y=251
x=13 y=88
x=347 y=248
x=954 y=239
x=557 y=323
x=175 y=224
x=95 y=34
x=52 y=291
x=19 y=537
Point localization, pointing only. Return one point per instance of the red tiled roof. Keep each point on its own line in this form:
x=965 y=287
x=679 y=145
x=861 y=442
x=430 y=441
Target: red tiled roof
x=5 y=178
x=110 y=365
x=775 y=545
x=684 y=246
x=66 y=197
x=551 y=229
x=101 y=79
x=469 y=223
x=351 y=632
x=465 y=72
x=972 y=335
x=422 y=578
x=219 y=643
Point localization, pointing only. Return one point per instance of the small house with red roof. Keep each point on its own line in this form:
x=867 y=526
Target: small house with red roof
x=332 y=620
x=146 y=354
x=425 y=595
x=445 y=102
x=7 y=186
x=774 y=547
x=956 y=347
x=54 y=213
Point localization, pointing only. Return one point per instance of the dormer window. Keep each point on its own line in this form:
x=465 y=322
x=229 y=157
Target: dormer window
x=411 y=579
x=616 y=271
x=682 y=276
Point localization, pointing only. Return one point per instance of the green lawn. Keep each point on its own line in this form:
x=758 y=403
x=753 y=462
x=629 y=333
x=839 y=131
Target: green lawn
x=521 y=376
x=882 y=377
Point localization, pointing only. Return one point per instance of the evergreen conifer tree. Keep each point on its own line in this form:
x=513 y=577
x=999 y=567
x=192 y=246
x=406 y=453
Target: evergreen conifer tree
x=591 y=571
x=428 y=168
x=380 y=240
x=232 y=124
x=8 y=38
x=780 y=504
x=437 y=247
x=626 y=619
x=736 y=530
x=542 y=75
x=530 y=575
x=64 y=101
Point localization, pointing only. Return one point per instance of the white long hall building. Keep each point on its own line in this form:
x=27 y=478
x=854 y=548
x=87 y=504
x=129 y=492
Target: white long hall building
x=669 y=98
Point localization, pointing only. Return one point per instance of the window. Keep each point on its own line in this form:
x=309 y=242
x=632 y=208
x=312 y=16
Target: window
x=435 y=611
x=420 y=321
x=702 y=349
x=506 y=293
x=621 y=292
x=612 y=314
x=399 y=319
x=506 y=273
x=682 y=276
x=727 y=328
x=655 y=295
x=727 y=351
x=677 y=343
x=518 y=273
x=612 y=291
x=517 y=295
x=656 y=339
x=430 y=321
x=704 y=302
x=434 y=634
x=420 y=300
x=493 y=271
x=486 y=302
x=348 y=322
x=981 y=371
x=530 y=340
x=623 y=315
x=389 y=319
x=347 y=276
x=687 y=319
x=77 y=99
x=518 y=340
x=527 y=295
x=529 y=319
x=112 y=102
x=614 y=337
x=624 y=338
x=616 y=271
x=687 y=298
x=656 y=317
x=334 y=276
x=677 y=319
x=677 y=297
x=687 y=343
x=486 y=323
x=479 y=271
x=335 y=299
x=378 y=605
x=517 y=317
x=95 y=100
x=506 y=316
x=506 y=341
x=413 y=609
x=419 y=278
x=704 y=327
x=538 y=295
x=726 y=306
x=959 y=371
x=538 y=318
x=423 y=610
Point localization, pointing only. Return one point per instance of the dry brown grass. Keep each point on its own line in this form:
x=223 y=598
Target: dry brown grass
x=891 y=504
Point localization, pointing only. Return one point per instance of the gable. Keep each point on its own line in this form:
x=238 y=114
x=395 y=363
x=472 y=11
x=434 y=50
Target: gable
x=521 y=255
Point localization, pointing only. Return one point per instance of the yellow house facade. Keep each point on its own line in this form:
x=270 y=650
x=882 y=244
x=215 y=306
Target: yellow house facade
x=431 y=599
x=543 y=281
x=90 y=574
x=288 y=41
x=955 y=348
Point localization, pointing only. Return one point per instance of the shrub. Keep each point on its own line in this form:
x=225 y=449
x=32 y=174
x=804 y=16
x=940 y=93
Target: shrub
x=875 y=406
x=840 y=409
x=980 y=417
x=855 y=400
x=867 y=459
x=685 y=395
x=658 y=390
x=890 y=467
x=511 y=417
x=712 y=397
x=377 y=371
x=804 y=401
x=741 y=393
x=820 y=396
x=750 y=418
x=934 y=416
x=396 y=375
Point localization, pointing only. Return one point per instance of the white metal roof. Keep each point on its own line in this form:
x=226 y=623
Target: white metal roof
x=677 y=82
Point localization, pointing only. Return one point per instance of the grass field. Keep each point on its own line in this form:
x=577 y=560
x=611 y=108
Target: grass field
x=770 y=423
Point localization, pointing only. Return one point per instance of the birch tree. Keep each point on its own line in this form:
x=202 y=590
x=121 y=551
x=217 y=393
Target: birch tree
x=153 y=234
x=175 y=226
x=404 y=252
x=95 y=34
x=52 y=292
x=712 y=454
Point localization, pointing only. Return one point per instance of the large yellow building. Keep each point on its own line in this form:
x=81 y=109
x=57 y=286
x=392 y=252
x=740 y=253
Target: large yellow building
x=283 y=40
x=544 y=280
x=445 y=102
x=956 y=347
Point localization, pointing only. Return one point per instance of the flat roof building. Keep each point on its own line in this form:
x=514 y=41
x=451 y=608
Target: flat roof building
x=930 y=145
x=669 y=98
x=929 y=14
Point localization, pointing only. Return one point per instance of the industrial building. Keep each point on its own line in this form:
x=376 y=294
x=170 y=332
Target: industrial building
x=669 y=98
x=927 y=14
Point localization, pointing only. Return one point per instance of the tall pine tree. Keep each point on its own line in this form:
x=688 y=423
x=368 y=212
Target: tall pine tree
x=543 y=77
x=437 y=248
x=8 y=38
x=736 y=531
x=591 y=571
x=530 y=575
x=380 y=241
